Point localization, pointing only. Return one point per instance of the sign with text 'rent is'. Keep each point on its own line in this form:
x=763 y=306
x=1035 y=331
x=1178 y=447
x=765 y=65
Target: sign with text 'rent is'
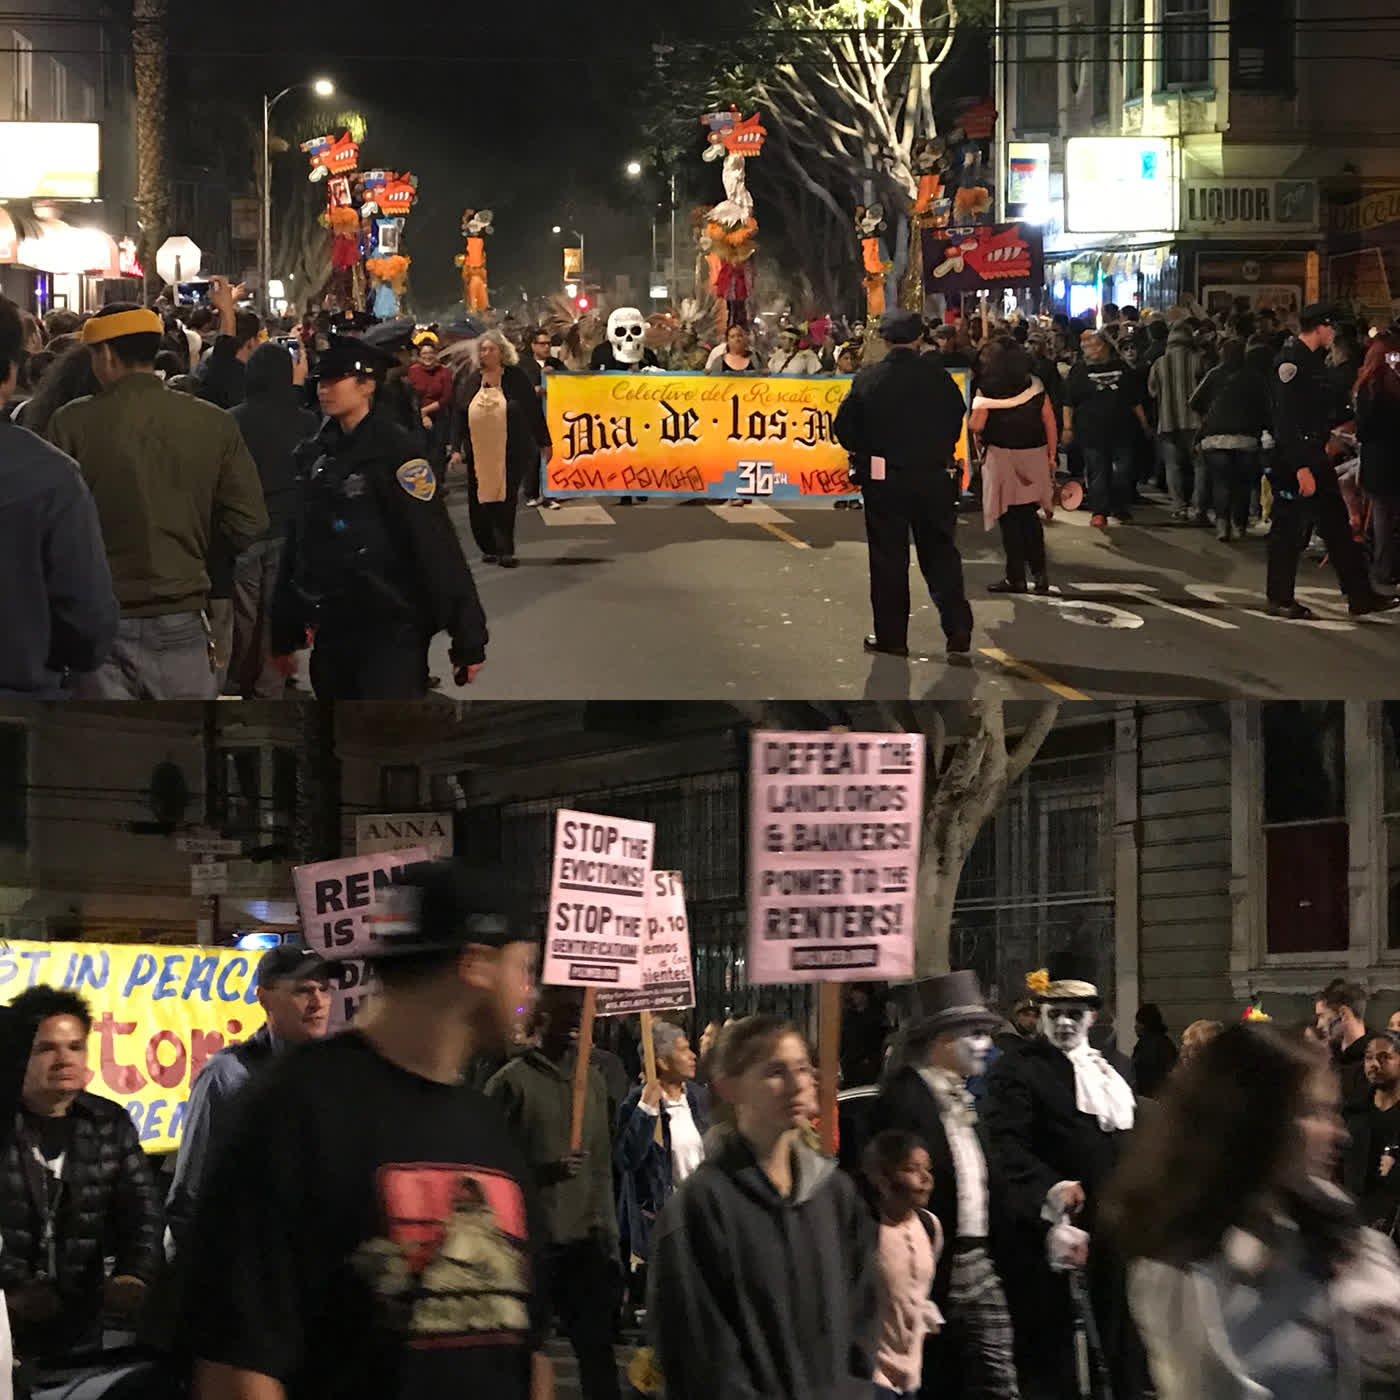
x=398 y=831
x=598 y=901
x=835 y=822
x=698 y=436
x=158 y=1013
x=340 y=914
x=668 y=976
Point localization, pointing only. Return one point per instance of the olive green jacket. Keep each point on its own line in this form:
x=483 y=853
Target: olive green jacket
x=173 y=481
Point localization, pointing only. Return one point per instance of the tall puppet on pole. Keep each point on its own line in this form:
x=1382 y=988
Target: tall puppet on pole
x=731 y=231
x=476 y=226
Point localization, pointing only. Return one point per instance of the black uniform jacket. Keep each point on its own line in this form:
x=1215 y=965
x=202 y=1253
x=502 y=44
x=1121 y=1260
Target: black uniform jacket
x=905 y=409
x=908 y=1103
x=371 y=543
x=1305 y=411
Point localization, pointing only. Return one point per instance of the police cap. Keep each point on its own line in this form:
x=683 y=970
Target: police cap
x=443 y=905
x=1319 y=313
x=391 y=336
x=901 y=327
x=350 y=357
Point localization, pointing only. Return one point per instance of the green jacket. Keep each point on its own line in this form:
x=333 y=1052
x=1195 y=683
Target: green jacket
x=537 y=1096
x=172 y=480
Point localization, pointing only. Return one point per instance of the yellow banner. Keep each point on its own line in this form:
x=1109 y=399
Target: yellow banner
x=158 y=1013
x=688 y=435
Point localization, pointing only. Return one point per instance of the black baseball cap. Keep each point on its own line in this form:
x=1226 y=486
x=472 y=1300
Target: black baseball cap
x=288 y=962
x=901 y=327
x=441 y=906
x=351 y=357
x=1319 y=313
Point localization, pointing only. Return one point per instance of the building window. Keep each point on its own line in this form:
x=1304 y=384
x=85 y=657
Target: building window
x=21 y=76
x=1261 y=47
x=1101 y=49
x=256 y=791
x=1305 y=827
x=1134 y=24
x=1390 y=798
x=14 y=786
x=1037 y=72
x=1185 y=43
x=58 y=83
x=399 y=789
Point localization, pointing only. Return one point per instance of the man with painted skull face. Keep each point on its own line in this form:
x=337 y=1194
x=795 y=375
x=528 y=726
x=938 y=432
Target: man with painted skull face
x=972 y=1358
x=625 y=351
x=1058 y=1114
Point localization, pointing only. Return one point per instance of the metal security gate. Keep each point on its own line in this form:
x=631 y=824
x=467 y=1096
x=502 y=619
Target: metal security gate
x=1039 y=878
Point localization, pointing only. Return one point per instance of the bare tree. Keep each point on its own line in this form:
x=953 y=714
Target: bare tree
x=150 y=51
x=967 y=776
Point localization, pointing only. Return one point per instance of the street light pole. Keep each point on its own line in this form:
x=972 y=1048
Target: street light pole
x=673 y=282
x=322 y=88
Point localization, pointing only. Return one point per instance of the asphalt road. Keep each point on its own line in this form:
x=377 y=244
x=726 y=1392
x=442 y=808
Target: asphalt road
x=675 y=601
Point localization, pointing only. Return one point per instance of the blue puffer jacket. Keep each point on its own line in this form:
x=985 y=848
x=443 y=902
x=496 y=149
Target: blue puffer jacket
x=644 y=1165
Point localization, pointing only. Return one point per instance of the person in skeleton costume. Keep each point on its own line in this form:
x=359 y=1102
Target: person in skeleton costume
x=625 y=348
x=972 y=1358
x=1058 y=1115
x=625 y=351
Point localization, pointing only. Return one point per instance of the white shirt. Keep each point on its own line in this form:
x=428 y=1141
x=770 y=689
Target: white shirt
x=954 y=1108
x=687 y=1146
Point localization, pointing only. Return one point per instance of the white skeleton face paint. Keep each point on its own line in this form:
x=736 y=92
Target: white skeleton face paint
x=627 y=331
x=972 y=1051
x=1065 y=1024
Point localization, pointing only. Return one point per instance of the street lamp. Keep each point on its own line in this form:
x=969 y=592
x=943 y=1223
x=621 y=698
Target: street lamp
x=634 y=168
x=322 y=87
x=574 y=233
x=634 y=171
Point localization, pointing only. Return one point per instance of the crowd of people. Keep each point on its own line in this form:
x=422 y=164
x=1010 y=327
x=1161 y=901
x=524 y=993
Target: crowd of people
x=404 y=1208
x=246 y=487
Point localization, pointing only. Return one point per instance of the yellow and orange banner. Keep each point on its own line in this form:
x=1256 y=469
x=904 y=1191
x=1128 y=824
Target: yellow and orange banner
x=696 y=435
x=158 y=1013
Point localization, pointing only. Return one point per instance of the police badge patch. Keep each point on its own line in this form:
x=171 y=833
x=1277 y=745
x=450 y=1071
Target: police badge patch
x=416 y=477
x=1287 y=370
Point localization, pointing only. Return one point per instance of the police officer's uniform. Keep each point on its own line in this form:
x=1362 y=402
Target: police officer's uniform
x=1305 y=410
x=372 y=560
x=900 y=423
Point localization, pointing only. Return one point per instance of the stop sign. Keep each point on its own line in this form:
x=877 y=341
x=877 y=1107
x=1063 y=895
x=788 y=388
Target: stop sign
x=178 y=260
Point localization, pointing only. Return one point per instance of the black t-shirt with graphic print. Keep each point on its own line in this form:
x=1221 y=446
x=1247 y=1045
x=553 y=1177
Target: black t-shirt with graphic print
x=368 y=1234
x=1103 y=397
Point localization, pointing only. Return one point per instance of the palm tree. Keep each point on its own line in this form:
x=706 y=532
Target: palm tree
x=150 y=49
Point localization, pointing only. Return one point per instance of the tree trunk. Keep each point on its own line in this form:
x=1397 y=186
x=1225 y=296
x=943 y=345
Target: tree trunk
x=317 y=828
x=957 y=802
x=150 y=50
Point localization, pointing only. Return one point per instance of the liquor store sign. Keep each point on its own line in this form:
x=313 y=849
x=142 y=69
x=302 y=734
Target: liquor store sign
x=1244 y=206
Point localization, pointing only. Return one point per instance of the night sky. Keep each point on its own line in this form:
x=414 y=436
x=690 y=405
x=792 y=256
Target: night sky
x=526 y=108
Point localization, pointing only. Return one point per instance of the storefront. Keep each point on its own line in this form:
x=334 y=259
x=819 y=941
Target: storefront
x=59 y=267
x=1363 y=249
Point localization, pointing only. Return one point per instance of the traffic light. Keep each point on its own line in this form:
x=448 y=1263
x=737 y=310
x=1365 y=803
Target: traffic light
x=584 y=303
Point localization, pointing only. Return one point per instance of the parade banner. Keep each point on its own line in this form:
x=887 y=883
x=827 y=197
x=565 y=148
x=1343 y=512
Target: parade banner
x=719 y=437
x=835 y=823
x=158 y=1014
x=598 y=901
x=668 y=976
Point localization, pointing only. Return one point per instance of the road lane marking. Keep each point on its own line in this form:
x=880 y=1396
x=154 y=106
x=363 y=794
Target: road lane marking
x=755 y=513
x=782 y=534
x=1215 y=593
x=1027 y=672
x=1146 y=593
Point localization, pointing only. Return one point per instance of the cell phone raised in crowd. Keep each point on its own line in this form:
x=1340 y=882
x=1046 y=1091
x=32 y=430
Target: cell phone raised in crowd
x=291 y=344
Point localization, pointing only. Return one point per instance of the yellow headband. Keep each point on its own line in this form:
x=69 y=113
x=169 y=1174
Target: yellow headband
x=137 y=322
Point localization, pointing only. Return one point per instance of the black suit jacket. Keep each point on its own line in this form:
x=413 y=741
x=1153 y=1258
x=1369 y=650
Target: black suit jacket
x=907 y=1102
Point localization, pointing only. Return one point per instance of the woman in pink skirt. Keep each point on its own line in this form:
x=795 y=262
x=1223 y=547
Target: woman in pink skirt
x=1015 y=423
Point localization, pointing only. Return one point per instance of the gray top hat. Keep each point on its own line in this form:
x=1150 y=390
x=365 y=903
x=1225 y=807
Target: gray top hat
x=954 y=1003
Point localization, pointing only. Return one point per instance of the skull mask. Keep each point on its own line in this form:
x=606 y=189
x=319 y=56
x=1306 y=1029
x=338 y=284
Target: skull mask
x=626 y=332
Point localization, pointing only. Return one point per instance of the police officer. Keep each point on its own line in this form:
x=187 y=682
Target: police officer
x=1304 y=478
x=372 y=560
x=900 y=423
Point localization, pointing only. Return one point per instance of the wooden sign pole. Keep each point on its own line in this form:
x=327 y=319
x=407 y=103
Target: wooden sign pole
x=649 y=1064
x=585 y=1049
x=829 y=1056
